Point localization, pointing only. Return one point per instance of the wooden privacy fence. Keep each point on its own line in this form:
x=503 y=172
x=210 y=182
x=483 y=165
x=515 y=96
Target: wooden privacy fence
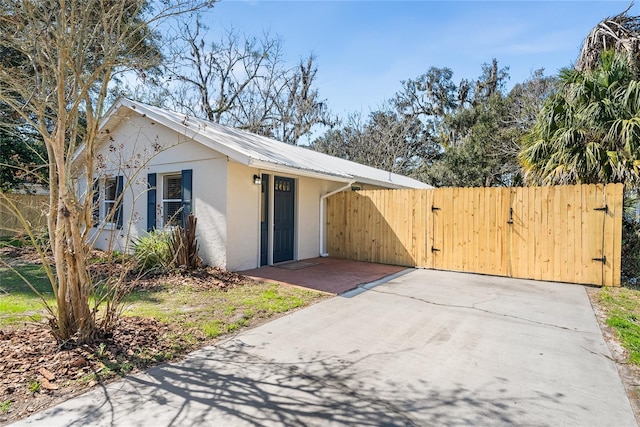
x=563 y=233
x=31 y=206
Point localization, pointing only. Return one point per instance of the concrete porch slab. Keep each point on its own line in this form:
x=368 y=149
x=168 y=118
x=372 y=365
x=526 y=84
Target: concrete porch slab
x=331 y=275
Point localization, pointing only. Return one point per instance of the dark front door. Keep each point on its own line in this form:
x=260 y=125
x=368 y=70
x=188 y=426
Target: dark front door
x=264 y=221
x=283 y=217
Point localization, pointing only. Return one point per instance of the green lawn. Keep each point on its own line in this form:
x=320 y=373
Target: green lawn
x=622 y=306
x=17 y=301
x=212 y=312
x=216 y=312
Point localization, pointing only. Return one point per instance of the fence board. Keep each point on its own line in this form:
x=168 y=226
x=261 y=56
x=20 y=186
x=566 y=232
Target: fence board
x=576 y=260
x=588 y=240
x=31 y=206
x=558 y=227
x=594 y=231
x=543 y=233
x=570 y=221
x=613 y=230
x=474 y=257
x=507 y=202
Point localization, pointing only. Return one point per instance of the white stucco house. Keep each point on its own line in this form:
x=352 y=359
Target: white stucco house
x=258 y=201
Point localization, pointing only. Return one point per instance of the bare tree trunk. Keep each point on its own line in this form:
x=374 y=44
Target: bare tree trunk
x=69 y=248
x=62 y=57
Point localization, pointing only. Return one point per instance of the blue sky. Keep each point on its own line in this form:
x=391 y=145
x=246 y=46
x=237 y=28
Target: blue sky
x=365 y=48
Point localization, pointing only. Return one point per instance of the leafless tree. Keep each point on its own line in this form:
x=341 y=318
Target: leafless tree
x=386 y=140
x=65 y=54
x=245 y=83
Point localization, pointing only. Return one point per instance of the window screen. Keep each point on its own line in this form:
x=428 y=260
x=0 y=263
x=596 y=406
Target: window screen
x=110 y=196
x=172 y=200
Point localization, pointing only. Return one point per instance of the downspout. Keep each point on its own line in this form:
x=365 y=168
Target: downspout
x=322 y=215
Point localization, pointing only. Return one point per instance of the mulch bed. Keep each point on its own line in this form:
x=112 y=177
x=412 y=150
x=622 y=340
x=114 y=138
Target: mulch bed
x=37 y=372
x=203 y=279
x=20 y=255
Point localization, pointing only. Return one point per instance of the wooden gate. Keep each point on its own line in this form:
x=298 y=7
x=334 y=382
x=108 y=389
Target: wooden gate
x=564 y=233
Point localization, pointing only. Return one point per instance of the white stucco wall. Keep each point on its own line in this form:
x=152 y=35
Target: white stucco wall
x=243 y=222
x=210 y=195
x=225 y=199
x=308 y=214
x=243 y=250
x=138 y=148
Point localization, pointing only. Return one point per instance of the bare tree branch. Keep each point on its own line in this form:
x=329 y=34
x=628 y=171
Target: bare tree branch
x=64 y=54
x=244 y=82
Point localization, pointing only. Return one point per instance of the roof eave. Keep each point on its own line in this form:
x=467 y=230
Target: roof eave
x=275 y=167
x=380 y=183
x=195 y=132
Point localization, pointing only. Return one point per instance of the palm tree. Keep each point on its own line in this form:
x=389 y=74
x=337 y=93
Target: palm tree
x=589 y=131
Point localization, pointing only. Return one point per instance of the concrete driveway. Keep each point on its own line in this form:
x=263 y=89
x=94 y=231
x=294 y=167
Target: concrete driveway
x=426 y=348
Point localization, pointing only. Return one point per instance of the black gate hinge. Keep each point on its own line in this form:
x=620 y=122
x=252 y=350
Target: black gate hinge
x=433 y=208
x=602 y=260
x=605 y=208
x=434 y=249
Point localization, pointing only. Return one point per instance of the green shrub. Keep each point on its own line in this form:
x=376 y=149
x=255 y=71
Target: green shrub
x=630 y=249
x=12 y=242
x=5 y=406
x=152 y=251
x=630 y=238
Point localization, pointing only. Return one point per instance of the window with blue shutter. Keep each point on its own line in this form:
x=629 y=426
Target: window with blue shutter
x=112 y=200
x=95 y=203
x=171 y=200
x=177 y=198
x=187 y=184
x=151 y=201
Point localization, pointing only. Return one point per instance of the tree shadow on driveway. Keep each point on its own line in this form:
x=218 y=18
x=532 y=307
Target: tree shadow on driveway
x=227 y=385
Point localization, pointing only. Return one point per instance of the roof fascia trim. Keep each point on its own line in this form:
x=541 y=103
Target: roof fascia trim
x=274 y=167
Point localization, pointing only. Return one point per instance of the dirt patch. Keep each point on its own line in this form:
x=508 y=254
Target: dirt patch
x=629 y=373
x=15 y=255
x=202 y=279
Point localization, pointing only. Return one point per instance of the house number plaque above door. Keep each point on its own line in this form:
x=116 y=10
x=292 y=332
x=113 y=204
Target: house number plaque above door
x=282 y=185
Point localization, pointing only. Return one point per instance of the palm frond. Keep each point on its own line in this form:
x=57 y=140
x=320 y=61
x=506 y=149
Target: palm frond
x=620 y=33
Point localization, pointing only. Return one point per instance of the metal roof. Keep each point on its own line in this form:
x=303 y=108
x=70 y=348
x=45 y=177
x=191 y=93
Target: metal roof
x=262 y=152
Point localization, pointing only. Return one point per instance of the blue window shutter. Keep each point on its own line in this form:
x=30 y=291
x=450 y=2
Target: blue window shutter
x=119 y=188
x=187 y=178
x=151 y=201
x=95 y=203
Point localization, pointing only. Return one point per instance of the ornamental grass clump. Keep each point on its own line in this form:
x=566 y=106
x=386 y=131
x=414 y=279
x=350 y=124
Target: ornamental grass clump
x=152 y=251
